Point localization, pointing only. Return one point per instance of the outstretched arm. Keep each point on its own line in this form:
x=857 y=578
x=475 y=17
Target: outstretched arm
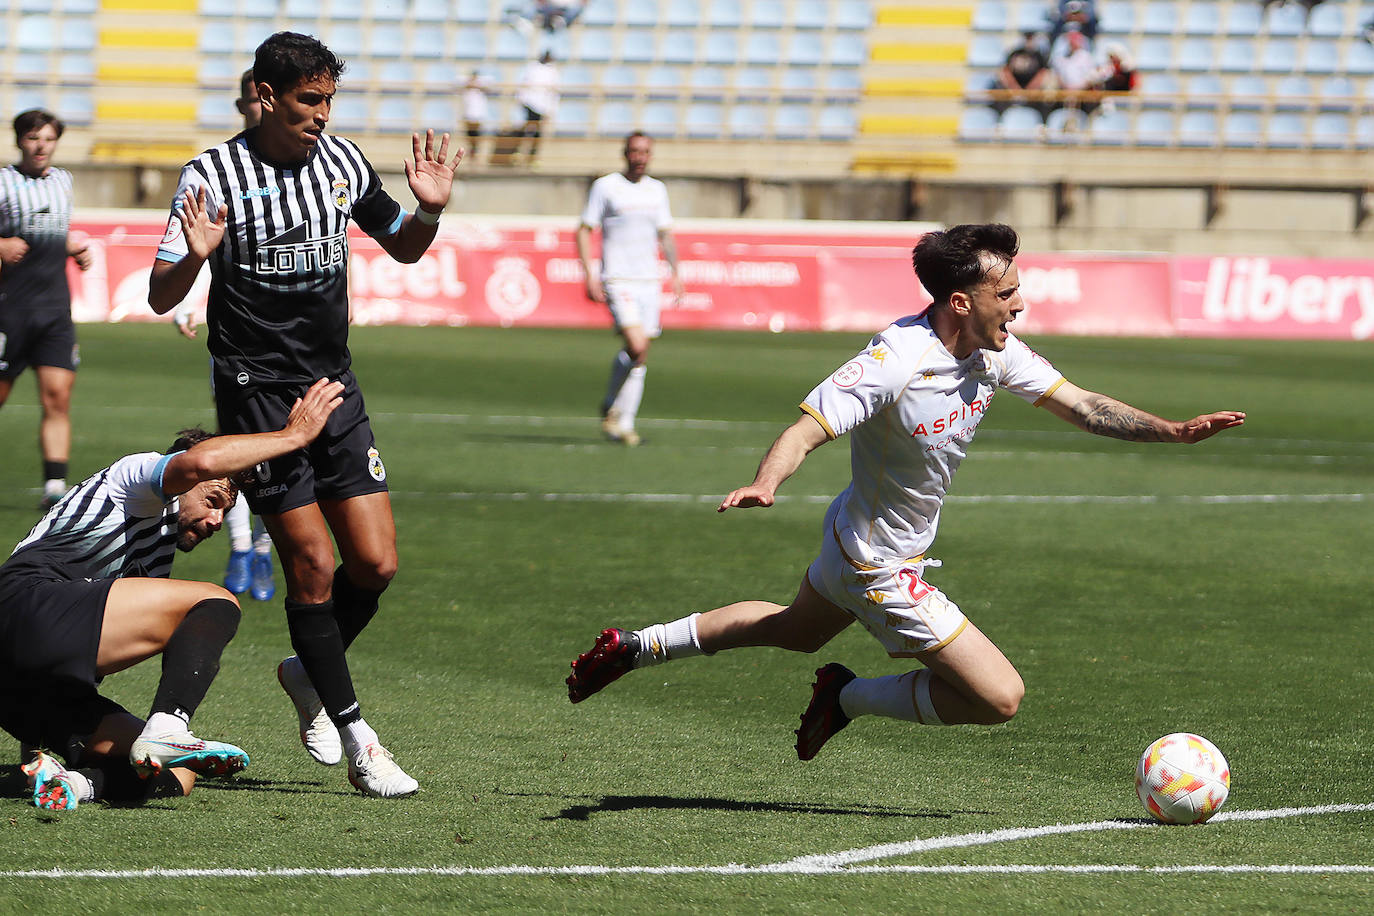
x=1106 y=416
x=780 y=462
x=170 y=281
x=430 y=176
x=225 y=455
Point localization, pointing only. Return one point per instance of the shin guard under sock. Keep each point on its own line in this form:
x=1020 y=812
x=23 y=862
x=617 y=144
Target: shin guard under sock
x=354 y=607
x=190 y=660
x=318 y=643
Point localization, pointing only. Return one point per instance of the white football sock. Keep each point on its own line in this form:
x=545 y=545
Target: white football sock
x=160 y=724
x=620 y=369
x=54 y=486
x=240 y=529
x=356 y=736
x=262 y=541
x=670 y=641
x=896 y=696
x=631 y=393
x=85 y=792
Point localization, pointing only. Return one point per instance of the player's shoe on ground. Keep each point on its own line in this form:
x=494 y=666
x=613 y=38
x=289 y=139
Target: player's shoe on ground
x=614 y=428
x=823 y=717
x=373 y=772
x=52 y=784
x=611 y=657
x=150 y=756
x=318 y=734
x=263 y=587
x=48 y=501
x=238 y=575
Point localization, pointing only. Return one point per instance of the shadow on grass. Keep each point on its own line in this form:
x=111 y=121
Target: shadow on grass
x=275 y=786
x=610 y=803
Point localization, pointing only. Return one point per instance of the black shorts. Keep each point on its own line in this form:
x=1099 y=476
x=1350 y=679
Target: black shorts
x=342 y=463
x=49 y=639
x=36 y=338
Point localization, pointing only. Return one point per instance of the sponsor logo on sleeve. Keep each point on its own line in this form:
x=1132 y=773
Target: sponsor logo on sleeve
x=848 y=375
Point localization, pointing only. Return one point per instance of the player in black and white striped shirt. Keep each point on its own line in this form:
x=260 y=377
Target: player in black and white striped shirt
x=87 y=594
x=269 y=209
x=35 y=304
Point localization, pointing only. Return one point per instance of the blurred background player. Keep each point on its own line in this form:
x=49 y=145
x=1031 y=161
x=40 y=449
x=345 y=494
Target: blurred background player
x=538 y=93
x=476 y=110
x=35 y=302
x=912 y=400
x=278 y=320
x=87 y=593
x=631 y=209
x=250 y=546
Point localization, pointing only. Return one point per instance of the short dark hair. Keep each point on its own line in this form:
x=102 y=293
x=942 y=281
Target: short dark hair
x=245 y=81
x=636 y=133
x=31 y=120
x=951 y=260
x=287 y=59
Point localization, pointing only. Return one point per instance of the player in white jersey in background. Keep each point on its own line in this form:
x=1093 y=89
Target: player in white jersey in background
x=250 y=546
x=631 y=209
x=911 y=402
x=35 y=304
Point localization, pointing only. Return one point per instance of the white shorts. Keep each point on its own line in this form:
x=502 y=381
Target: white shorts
x=903 y=612
x=635 y=304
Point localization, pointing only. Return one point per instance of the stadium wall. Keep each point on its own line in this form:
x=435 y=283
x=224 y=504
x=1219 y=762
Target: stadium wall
x=776 y=275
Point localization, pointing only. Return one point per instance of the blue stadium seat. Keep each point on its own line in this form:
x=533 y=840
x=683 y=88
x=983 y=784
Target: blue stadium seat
x=663 y=82
x=389 y=10
x=427 y=42
x=836 y=123
x=1364 y=132
x=725 y=14
x=36 y=33
x=436 y=113
x=1205 y=91
x=1155 y=54
x=213 y=114
x=428 y=10
x=471 y=44
x=1197 y=128
x=305 y=9
x=1160 y=18
x=1336 y=93
x=386 y=41
x=1154 y=127
x=848 y=50
x=754 y=83
x=1032 y=17
x=591 y=44
x=1288 y=19
x=1280 y=56
x=762 y=48
x=1196 y=55
x=1242 y=128
x=707 y=83
x=978 y=123
x=215 y=70
x=1242 y=18
x=217 y=41
x=637 y=45
x=642 y=12
x=853 y=14
x=1020 y=123
x=400 y=71
x=1202 y=19
x=1115 y=19
x=720 y=48
x=678 y=47
x=1285 y=130
x=1320 y=57
x=748 y=121
x=344 y=39
x=1359 y=58
x=1249 y=91
x=1237 y=55
x=604 y=13
x=659 y=120
x=767 y=14
x=683 y=15
x=990 y=16
x=1292 y=93
x=986 y=51
x=1331 y=130
x=843 y=86
x=573 y=119
x=798 y=84
x=809 y=14
x=1109 y=128
x=792 y=122
x=615 y=119
x=1328 y=20
x=1066 y=125
x=83 y=65
x=703 y=120
x=474 y=11
x=618 y=81
x=805 y=49
x=76 y=106
x=577 y=79
x=1159 y=90
x=395 y=113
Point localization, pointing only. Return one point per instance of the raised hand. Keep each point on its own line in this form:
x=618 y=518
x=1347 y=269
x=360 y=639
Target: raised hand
x=430 y=176
x=203 y=231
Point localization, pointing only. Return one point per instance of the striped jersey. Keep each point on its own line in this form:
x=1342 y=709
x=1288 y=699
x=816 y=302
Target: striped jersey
x=278 y=304
x=113 y=525
x=39 y=211
x=911 y=409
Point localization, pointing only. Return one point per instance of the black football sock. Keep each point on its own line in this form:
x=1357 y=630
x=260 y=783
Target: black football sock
x=354 y=607
x=315 y=637
x=191 y=659
x=116 y=782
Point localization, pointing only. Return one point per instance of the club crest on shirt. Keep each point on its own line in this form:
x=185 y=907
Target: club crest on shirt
x=375 y=466
x=341 y=193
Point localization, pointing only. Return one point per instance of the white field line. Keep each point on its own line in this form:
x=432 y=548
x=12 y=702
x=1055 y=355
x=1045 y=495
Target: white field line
x=824 y=499
x=827 y=864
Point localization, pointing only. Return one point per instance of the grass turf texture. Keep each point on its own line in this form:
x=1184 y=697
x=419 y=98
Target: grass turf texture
x=1148 y=609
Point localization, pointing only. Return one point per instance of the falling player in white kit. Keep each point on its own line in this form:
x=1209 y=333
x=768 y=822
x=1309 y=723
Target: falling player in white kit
x=632 y=211
x=911 y=401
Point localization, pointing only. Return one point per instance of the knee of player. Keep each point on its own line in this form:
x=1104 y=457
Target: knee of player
x=375 y=575
x=1005 y=703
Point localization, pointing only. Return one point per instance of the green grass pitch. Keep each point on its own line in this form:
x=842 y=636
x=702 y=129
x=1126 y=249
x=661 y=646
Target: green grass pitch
x=1140 y=589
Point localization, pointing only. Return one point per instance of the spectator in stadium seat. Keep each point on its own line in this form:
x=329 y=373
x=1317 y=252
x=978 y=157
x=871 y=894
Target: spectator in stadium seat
x=1026 y=69
x=1307 y=5
x=250 y=546
x=476 y=110
x=1077 y=72
x=1074 y=14
x=911 y=402
x=1118 y=74
x=538 y=94
x=36 y=326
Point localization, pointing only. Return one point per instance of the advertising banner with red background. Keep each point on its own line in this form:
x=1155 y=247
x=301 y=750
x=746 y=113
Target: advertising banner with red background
x=751 y=275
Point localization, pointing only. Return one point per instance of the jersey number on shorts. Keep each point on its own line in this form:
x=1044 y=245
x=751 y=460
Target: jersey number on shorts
x=915 y=586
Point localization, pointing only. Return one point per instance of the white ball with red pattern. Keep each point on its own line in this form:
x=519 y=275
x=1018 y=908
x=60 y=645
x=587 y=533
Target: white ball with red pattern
x=1182 y=779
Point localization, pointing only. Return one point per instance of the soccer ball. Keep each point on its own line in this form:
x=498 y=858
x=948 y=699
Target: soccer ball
x=1182 y=779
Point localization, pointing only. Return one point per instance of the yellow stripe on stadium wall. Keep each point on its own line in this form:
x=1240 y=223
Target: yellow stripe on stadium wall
x=145 y=111
x=146 y=73
x=925 y=15
x=149 y=39
x=920 y=125
x=150 y=6
x=918 y=52
x=939 y=87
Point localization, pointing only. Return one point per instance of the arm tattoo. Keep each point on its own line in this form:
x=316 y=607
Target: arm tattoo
x=1106 y=417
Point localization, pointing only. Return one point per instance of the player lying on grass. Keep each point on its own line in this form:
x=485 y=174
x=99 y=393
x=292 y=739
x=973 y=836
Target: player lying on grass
x=912 y=401
x=87 y=594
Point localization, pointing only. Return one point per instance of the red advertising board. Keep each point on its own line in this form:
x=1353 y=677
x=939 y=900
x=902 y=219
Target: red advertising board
x=779 y=276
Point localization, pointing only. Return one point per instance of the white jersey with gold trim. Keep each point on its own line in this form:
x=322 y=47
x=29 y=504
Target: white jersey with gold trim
x=911 y=410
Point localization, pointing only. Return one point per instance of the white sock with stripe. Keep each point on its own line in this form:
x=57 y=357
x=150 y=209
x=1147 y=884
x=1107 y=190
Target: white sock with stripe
x=664 y=642
x=631 y=393
x=895 y=696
